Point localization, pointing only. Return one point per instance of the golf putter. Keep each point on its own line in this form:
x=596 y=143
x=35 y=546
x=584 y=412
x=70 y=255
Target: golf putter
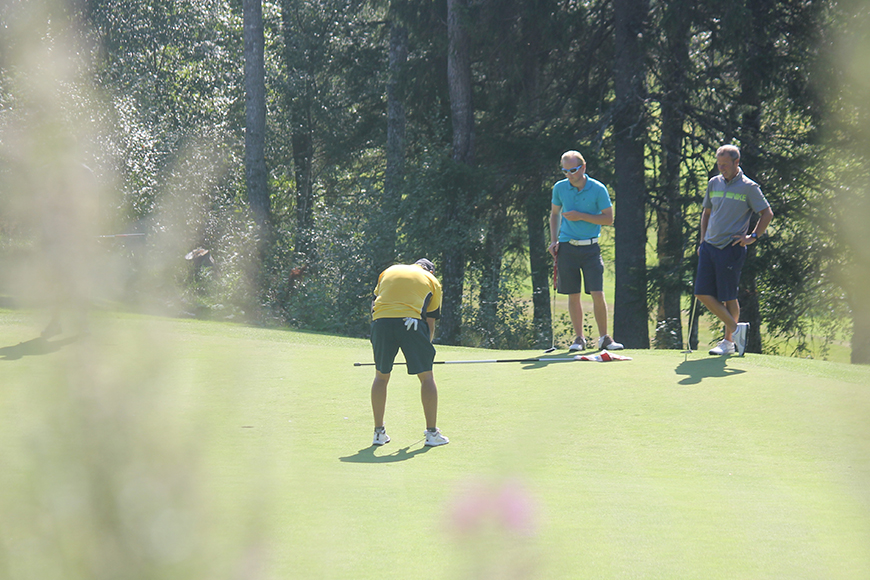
x=553 y=313
x=688 y=350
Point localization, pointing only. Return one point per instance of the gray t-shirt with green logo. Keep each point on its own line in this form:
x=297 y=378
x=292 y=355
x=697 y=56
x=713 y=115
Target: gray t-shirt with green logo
x=732 y=204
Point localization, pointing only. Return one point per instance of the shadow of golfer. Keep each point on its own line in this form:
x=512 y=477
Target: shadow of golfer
x=367 y=455
x=706 y=368
x=37 y=346
x=533 y=366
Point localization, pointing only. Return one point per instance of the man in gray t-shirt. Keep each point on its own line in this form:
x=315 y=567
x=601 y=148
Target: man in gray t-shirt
x=729 y=203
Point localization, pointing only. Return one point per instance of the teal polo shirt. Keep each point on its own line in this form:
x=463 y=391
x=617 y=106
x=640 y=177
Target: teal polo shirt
x=592 y=199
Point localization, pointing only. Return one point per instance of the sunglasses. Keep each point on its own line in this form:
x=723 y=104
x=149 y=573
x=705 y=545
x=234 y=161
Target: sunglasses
x=572 y=171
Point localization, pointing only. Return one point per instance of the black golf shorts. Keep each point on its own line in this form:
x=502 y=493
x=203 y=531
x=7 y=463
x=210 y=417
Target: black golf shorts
x=571 y=261
x=390 y=334
x=718 y=273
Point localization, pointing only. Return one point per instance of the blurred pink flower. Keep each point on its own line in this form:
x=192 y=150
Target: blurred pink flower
x=505 y=505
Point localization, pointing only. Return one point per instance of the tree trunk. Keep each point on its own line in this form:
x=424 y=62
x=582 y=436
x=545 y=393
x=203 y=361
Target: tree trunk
x=853 y=227
x=852 y=144
x=255 y=113
x=751 y=76
x=669 y=211
x=490 y=279
x=462 y=117
x=861 y=334
x=459 y=81
x=630 y=305
x=537 y=201
x=395 y=171
x=298 y=97
x=537 y=210
x=303 y=154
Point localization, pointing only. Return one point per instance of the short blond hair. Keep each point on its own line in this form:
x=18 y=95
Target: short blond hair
x=573 y=154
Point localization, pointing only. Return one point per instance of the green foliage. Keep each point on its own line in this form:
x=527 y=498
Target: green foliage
x=503 y=325
x=171 y=81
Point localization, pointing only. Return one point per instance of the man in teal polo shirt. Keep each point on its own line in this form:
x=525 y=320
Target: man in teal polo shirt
x=730 y=201
x=580 y=206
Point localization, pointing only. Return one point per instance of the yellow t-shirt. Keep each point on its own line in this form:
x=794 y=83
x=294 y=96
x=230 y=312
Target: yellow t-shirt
x=402 y=291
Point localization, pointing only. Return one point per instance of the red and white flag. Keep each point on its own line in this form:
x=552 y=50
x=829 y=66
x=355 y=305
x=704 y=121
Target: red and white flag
x=603 y=356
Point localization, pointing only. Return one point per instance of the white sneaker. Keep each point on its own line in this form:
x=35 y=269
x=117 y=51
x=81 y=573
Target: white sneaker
x=608 y=343
x=435 y=438
x=578 y=344
x=724 y=347
x=381 y=437
x=740 y=336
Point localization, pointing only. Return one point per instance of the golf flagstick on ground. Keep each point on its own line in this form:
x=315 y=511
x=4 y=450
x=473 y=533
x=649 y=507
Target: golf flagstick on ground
x=468 y=362
x=603 y=356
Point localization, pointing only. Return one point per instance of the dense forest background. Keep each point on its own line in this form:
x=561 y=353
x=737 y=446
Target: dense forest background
x=307 y=145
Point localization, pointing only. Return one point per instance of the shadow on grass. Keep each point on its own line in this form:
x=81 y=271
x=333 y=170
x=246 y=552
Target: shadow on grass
x=557 y=358
x=35 y=347
x=706 y=368
x=367 y=455
x=534 y=365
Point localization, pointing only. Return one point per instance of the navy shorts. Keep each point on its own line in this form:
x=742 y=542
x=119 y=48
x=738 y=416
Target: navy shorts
x=390 y=334
x=571 y=261
x=719 y=271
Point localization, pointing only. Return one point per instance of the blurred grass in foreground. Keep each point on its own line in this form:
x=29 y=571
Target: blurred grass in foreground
x=188 y=449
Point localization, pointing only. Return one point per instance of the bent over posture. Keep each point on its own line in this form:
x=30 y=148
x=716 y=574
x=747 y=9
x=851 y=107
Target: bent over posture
x=407 y=302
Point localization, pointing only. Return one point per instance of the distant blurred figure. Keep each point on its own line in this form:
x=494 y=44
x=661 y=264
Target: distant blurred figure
x=68 y=247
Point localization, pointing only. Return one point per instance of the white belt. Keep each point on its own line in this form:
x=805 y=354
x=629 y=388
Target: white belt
x=588 y=242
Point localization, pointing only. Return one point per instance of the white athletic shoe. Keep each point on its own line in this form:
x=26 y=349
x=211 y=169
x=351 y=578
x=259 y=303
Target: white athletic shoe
x=724 y=347
x=740 y=336
x=381 y=437
x=435 y=438
x=578 y=344
x=608 y=343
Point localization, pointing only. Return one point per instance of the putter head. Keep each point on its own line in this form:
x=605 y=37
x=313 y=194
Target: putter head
x=549 y=350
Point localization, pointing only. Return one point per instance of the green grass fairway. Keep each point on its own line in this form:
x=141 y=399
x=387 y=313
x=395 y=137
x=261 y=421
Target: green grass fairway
x=157 y=448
